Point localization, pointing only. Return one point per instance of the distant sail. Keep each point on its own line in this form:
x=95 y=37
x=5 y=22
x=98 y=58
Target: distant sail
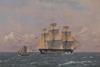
x=23 y=51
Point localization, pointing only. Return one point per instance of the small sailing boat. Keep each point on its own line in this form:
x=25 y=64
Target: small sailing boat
x=23 y=51
x=55 y=40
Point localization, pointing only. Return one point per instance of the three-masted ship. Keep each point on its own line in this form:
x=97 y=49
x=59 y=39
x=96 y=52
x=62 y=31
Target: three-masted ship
x=56 y=40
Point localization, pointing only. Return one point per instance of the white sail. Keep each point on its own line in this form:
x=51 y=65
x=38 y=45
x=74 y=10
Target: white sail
x=43 y=39
x=67 y=38
x=54 y=44
x=53 y=38
x=23 y=51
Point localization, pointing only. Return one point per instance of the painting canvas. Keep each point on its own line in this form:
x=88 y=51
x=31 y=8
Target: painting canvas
x=49 y=33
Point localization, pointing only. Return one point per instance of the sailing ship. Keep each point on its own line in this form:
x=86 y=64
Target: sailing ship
x=56 y=40
x=23 y=51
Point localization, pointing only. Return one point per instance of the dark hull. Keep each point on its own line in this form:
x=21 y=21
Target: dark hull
x=45 y=51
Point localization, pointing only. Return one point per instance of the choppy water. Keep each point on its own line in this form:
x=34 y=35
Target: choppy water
x=50 y=60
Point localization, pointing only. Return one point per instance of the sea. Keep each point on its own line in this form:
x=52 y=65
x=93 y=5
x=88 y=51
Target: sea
x=50 y=60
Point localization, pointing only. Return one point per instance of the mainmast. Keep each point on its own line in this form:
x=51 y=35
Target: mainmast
x=53 y=33
x=24 y=49
x=44 y=36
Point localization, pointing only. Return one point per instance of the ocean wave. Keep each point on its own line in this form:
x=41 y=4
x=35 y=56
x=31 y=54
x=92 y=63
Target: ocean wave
x=33 y=62
x=77 y=62
x=7 y=60
x=40 y=63
x=88 y=57
x=23 y=60
x=84 y=57
x=91 y=57
x=1 y=61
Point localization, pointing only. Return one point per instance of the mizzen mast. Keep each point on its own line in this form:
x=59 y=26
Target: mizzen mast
x=67 y=38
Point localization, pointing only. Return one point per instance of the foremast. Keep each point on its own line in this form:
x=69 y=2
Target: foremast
x=43 y=39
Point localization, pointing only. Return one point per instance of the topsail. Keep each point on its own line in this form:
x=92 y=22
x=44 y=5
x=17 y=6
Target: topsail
x=54 y=39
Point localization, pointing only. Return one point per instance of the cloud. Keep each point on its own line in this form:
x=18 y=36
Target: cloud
x=31 y=16
x=13 y=41
x=83 y=30
x=73 y=4
x=9 y=36
x=13 y=3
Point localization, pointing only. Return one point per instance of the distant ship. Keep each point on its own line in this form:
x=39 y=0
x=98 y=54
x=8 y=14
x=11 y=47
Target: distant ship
x=56 y=40
x=23 y=51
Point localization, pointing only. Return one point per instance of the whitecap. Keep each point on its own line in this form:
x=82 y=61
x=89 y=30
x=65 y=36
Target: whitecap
x=84 y=57
x=85 y=64
x=33 y=62
x=13 y=64
x=1 y=61
x=89 y=61
x=76 y=62
x=7 y=60
x=23 y=60
x=95 y=61
x=84 y=61
x=13 y=58
x=67 y=53
x=91 y=57
x=67 y=63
